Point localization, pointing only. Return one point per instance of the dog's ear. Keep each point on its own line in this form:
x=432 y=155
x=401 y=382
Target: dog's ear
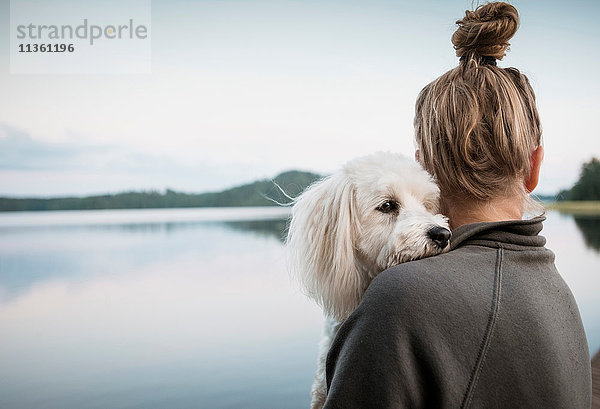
x=320 y=245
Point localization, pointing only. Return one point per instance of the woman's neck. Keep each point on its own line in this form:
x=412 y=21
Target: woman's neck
x=461 y=211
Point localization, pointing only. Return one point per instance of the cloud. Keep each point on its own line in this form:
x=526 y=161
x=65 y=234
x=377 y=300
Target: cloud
x=32 y=167
x=19 y=151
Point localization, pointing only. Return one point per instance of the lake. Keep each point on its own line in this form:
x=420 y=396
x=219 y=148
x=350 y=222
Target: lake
x=182 y=308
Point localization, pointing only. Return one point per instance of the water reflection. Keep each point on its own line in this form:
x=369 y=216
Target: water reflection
x=270 y=228
x=35 y=254
x=578 y=263
x=589 y=226
x=153 y=315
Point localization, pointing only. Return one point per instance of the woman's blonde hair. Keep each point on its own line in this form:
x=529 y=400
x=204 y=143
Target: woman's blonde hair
x=477 y=125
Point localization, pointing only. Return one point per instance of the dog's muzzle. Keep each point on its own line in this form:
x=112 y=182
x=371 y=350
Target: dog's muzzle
x=440 y=236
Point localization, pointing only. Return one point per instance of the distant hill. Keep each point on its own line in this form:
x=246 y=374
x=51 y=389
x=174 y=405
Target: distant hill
x=252 y=194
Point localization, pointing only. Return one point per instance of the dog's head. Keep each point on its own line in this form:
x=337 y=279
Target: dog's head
x=378 y=211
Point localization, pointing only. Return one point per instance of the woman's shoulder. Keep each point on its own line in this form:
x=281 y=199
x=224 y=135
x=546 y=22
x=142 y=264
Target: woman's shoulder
x=436 y=270
x=466 y=279
x=450 y=280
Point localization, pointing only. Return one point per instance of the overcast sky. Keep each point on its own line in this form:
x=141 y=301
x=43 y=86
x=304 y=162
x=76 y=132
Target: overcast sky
x=242 y=90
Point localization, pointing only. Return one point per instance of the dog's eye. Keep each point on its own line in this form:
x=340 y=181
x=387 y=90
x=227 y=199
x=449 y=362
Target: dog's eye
x=388 y=206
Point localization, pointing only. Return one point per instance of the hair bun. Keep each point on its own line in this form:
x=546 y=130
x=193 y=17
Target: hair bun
x=486 y=30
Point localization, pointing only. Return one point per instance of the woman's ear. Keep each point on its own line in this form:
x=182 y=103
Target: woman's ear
x=535 y=163
x=320 y=245
x=418 y=157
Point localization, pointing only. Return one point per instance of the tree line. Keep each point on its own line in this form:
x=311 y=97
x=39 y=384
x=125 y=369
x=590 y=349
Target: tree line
x=588 y=185
x=260 y=193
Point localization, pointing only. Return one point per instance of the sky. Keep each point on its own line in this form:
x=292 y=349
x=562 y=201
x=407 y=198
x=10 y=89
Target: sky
x=243 y=90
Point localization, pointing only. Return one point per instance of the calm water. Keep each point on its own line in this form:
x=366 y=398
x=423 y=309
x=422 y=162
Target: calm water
x=181 y=308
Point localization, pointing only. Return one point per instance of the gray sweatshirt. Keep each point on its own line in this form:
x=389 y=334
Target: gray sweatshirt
x=490 y=324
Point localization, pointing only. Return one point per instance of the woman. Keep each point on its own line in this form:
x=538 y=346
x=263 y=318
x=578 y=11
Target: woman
x=490 y=323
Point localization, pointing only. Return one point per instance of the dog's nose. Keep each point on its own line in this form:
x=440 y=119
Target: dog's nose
x=439 y=236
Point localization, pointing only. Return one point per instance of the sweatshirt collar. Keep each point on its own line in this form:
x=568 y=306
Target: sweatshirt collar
x=511 y=232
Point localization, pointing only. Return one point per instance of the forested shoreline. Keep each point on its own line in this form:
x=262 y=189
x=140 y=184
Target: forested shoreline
x=260 y=193
x=264 y=192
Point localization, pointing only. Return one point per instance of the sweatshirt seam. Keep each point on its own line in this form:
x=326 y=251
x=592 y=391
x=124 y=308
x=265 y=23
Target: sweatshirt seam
x=485 y=343
x=507 y=246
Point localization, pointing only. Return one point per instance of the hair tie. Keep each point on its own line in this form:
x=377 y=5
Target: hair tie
x=481 y=59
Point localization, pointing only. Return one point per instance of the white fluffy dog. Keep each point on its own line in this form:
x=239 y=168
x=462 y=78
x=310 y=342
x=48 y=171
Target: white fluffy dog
x=377 y=211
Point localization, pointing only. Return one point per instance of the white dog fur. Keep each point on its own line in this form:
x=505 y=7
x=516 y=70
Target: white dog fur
x=374 y=213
